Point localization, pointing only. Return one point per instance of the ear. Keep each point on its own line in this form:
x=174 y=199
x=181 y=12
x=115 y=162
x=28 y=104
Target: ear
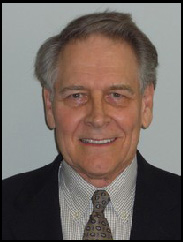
x=147 y=106
x=49 y=114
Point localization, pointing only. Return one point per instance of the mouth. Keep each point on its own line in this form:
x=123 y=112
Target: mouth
x=90 y=141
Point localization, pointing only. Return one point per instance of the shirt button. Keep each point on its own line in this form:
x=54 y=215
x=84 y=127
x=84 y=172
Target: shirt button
x=124 y=215
x=76 y=215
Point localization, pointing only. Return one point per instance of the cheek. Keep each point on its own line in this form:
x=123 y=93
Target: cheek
x=129 y=120
x=66 y=121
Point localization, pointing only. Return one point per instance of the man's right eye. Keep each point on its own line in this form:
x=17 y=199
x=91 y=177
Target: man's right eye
x=76 y=95
x=76 y=99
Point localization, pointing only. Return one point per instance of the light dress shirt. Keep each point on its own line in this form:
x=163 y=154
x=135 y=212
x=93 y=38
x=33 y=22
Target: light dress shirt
x=76 y=206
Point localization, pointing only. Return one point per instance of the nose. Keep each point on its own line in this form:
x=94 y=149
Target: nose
x=97 y=115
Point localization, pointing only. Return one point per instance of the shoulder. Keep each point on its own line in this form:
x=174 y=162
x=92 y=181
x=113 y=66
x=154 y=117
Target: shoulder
x=24 y=193
x=157 y=173
x=14 y=184
x=33 y=180
x=162 y=183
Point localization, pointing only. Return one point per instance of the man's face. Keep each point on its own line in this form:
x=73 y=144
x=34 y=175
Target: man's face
x=98 y=109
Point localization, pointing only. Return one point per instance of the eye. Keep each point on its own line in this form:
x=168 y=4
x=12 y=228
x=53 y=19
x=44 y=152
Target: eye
x=116 y=95
x=77 y=96
x=117 y=98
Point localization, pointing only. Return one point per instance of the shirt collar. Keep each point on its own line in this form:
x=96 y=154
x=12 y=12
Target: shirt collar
x=78 y=192
x=122 y=189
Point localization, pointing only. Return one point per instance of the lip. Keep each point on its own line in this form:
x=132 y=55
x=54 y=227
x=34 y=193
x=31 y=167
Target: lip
x=98 y=145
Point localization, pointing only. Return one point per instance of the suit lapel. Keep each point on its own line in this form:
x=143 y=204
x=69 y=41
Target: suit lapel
x=37 y=207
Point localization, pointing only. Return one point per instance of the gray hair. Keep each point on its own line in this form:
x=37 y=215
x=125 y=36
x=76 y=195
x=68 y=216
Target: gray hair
x=110 y=24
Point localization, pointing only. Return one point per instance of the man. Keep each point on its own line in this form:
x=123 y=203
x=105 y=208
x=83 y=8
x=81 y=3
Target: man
x=98 y=78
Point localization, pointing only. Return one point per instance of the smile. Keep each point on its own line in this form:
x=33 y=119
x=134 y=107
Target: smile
x=101 y=141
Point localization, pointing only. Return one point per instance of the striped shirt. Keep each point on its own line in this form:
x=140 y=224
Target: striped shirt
x=76 y=206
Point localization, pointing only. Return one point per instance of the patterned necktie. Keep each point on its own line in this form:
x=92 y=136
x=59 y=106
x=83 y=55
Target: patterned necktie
x=97 y=227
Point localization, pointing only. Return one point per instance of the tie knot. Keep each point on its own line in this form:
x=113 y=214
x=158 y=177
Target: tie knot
x=100 y=200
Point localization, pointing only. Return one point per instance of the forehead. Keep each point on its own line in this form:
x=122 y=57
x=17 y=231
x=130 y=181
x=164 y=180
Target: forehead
x=97 y=60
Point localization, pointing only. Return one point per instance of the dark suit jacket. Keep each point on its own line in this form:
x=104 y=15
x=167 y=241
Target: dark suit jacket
x=31 y=204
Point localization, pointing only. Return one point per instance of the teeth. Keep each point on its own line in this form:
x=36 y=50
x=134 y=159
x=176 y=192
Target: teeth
x=91 y=141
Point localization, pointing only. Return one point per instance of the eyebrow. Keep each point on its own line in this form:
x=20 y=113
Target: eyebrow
x=72 y=88
x=122 y=87
x=113 y=87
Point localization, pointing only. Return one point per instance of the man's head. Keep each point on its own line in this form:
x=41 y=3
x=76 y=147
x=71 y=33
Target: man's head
x=98 y=87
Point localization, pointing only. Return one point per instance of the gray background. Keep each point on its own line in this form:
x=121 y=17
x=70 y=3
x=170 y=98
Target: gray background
x=27 y=142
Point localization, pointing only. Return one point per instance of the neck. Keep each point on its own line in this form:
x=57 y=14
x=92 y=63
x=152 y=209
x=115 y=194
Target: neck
x=100 y=181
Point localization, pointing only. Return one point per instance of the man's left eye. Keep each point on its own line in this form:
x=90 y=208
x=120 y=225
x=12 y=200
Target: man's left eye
x=116 y=95
x=77 y=95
